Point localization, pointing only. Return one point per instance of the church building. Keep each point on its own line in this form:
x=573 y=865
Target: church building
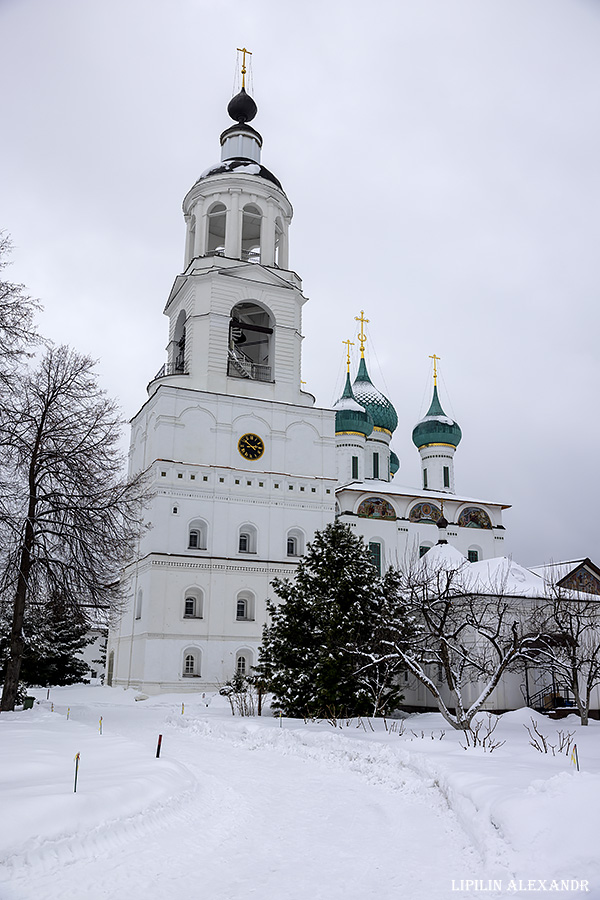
x=243 y=465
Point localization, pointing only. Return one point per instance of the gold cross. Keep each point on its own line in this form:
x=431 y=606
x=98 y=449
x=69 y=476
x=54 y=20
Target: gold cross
x=435 y=361
x=350 y=344
x=244 y=51
x=361 y=335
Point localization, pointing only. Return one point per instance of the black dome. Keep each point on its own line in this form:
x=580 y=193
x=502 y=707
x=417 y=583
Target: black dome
x=240 y=165
x=242 y=107
x=442 y=522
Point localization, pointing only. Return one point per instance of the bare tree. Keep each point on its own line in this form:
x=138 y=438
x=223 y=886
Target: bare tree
x=466 y=636
x=17 y=328
x=68 y=515
x=571 y=622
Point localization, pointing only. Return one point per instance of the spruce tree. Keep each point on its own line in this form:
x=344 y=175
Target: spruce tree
x=53 y=638
x=322 y=631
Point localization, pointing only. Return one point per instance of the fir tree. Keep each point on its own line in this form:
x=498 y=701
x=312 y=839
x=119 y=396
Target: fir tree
x=313 y=652
x=53 y=638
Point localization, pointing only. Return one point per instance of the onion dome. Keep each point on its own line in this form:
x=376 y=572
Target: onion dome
x=436 y=427
x=350 y=416
x=242 y=107
x=394 y=462
x=381 y=410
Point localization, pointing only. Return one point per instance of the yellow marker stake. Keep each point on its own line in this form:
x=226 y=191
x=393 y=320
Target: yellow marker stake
x=100 y=725
x=52 y=708
x=68 y=711
x=77 y=755
x=182 y=708
x=575 y=756
x=361 y=335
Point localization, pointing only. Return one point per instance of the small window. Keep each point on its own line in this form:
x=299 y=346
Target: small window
x=276 y=485
x=237 y=480
x=261 y=484
x=205 y=478
x=175 y=510
x=241 y=609
x=355 y=468
x=375 y=549
x=314 y=490
x=290 y=487
x=423 y=549
x=244 y=606
x=376 y=465
x=301 y=488
x=424 y=478
x=328 y=491
x=163 y=474
x=194 y=541
x=244 y=546
x=192 y=477
x=248 y=484
x=447 y=476
x=473 y=555
x=179 y=475
x=221 y=480
x=190 y=607
x=189 y=667
x=292 y=546
x=241 y=665
x=191 y=663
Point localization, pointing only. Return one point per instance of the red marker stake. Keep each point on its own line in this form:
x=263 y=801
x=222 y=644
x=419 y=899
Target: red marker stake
x=158 y=746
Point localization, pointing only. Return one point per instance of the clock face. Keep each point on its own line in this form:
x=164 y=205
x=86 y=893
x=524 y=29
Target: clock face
x=251 y=446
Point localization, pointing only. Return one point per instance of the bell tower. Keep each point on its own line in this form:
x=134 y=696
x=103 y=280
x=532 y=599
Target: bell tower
x=235 y=312
x=240 y=461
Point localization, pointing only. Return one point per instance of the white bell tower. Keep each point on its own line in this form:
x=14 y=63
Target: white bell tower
x=241 y=462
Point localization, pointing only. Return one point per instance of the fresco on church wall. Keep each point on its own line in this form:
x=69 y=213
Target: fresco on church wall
x=376 y=508
x=424 y=512
x=581 y=580
x=473 y=517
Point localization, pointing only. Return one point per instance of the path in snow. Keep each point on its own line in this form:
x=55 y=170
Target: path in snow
x=266 y=814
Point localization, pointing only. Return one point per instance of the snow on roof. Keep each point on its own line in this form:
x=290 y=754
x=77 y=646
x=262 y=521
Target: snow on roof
x=444 y=556
x=555 y=571
x=385 y=487
x=501 y=573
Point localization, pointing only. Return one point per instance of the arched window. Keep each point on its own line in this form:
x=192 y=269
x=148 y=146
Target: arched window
x=250 y=343
x=251 y=224
x=376 y=508
x=474 y=554
x=215 y=232
x=111 y=668
x=247 y=539
x=193 y=604
x=295 y=542
x=179 y=366
x=191 y=663
x=243 y=662
x=376 y=554
x=423 y=548
x=197 y=535
x=244 y=607
x=473 y=517
x=424 y=512
x=138 y=604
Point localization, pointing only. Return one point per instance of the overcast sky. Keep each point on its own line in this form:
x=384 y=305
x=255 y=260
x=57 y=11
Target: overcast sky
x=443 y=161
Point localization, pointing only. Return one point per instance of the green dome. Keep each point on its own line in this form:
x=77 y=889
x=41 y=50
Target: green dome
x=436 y=427
x=381 y=410
x=394 y=462
x=350 y=415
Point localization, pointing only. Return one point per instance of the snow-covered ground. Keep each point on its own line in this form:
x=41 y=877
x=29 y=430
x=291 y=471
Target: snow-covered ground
x=237 y=808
